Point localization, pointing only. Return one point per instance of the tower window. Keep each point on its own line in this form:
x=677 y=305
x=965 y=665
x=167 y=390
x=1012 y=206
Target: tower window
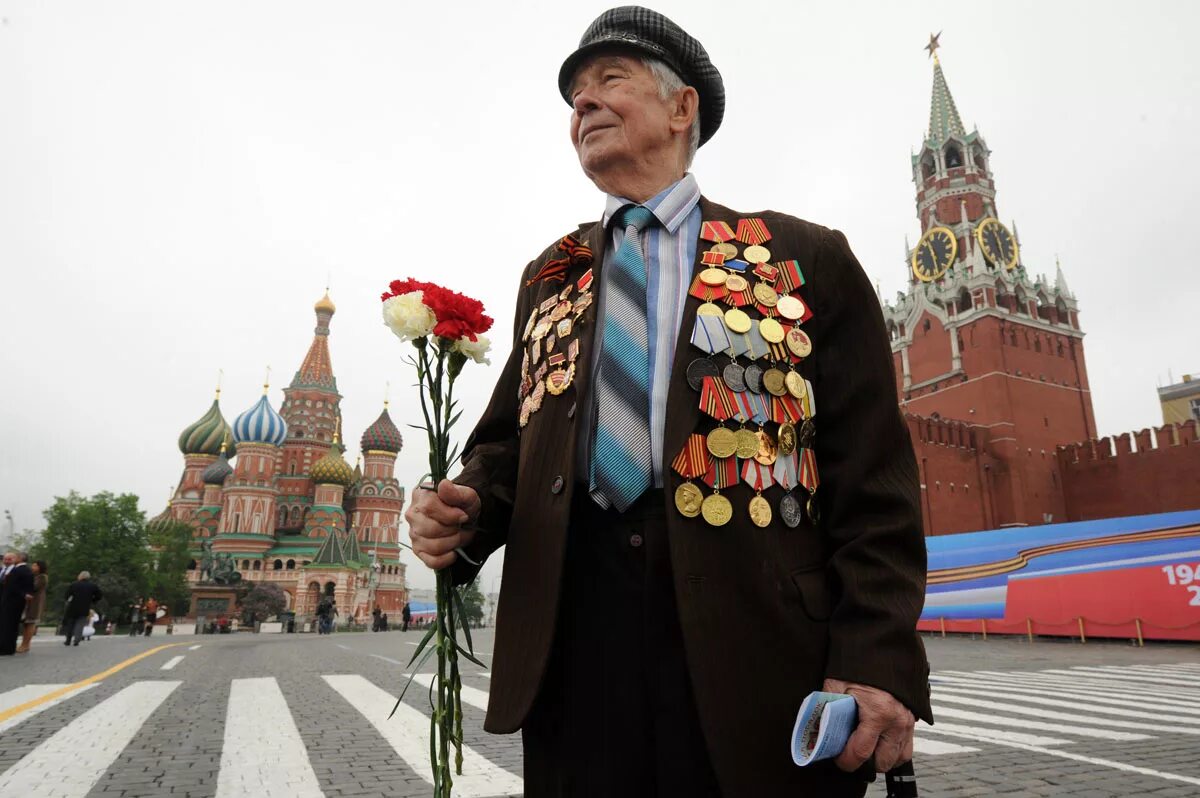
x=277 y=565
x=927 y=166
x=953 y=157
x=980 y=160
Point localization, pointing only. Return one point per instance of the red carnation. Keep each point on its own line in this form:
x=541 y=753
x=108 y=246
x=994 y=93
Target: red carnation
x=402 y=287
x=458 y=316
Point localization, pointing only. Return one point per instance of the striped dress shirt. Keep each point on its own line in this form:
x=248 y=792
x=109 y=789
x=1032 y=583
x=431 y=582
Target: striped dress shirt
x=670 y=249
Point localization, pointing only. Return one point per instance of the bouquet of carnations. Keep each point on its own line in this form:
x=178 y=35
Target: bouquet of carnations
x=446 y=328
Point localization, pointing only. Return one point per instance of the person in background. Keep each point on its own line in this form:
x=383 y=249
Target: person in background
x=89 y=630
x=151 y=614
x=16 y=591
x=135 y=618
x=376 y=619
x=81 y=594
x=405 y=617
x=36 y=605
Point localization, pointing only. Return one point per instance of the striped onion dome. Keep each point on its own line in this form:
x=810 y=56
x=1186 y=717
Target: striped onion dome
x=332 y=469
x=217 y=470
x=204 y=436
x=260 y=424
x=382 y=436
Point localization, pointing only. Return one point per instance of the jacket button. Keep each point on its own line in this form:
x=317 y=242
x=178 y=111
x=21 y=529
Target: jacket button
x=635 y=540
x=557 y=486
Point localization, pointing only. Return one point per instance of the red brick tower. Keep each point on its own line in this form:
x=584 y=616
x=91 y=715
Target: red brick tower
x=247 y=524
x=311 y=408
x=377 y=501
x=979 y=340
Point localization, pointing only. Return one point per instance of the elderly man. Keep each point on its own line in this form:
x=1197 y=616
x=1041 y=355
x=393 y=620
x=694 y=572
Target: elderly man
x=16 y=590
x=81 y=594
x=691 y=547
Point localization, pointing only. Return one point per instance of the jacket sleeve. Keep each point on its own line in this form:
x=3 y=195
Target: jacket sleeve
x=869 y=491
x=492 y=452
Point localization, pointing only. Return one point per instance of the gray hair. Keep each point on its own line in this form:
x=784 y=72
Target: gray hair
x=85 y=575
x=21 y=556
x=670 y=82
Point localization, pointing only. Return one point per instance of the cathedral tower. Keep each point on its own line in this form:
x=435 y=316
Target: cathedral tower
x=980 y=340
x=248 y=509
x=201 y=443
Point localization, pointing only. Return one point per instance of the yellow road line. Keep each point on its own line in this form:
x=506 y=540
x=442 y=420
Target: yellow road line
x=17 y=710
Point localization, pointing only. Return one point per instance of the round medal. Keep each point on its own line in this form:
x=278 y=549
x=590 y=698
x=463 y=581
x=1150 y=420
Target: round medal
x=716 y=509
x=753 y=378
x=768 y=452
x=747 y=444
x=713 y=277
x=722 y=442
x=733 y=376
x=766 y=294
x=787 y=438
x=770 y=330
x=789 y=511
x=688 y=499
x=757 y=254
x=773 y=381
x=790 y=307
x=725 y=248
x=736 y=283
x=709 y=309
x=808 y=431
x=798 y=342
x=698 y=369
x=760 y=511
x=737 y=320
x=794 y=384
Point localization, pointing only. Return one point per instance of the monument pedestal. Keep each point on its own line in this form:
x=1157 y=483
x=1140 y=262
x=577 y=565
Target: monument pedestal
x=213 y=601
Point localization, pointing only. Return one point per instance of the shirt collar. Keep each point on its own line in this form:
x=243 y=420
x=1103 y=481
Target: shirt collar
x=670 y=206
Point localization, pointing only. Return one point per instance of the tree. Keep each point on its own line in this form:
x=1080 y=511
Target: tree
x=171 y=543
x=473 y=602
x=262 y=602
x=103 y=534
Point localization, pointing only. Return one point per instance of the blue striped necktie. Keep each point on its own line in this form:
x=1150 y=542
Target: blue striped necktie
x=622 y=460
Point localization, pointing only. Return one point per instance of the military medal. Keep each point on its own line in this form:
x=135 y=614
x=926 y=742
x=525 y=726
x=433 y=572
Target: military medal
x=564 y=328
x=710 y=333
x=789 y=511
x=714 y=277
x=790 y=307
x=737 y=320
x=722 y=442
x=561 y=310
x=530 y=325
x=716 y=509
x=548 y=303
x=767 y=449
x=798 y=342
x=774 y=382
x=765 y=294
x=733 y=376
x=726 y=249
x=566 y=292
x=583 y=303
x=790 y=276
x=756 y=254
x=539 y=331
x=767 y=272
x=692 y=461
x=698 y=369
x=787 y=438
x=771 y=330
x=550 y=341
x=716 y=231
x=535 y=351
x=753 y=376
x=526 y=411
x=794 y=384
x=573 y=350
x=712 y=258
x=688 y=499
x=736 y=283
x=584 y=282
x=559 y=380
x=809 y=479
x=747 y=444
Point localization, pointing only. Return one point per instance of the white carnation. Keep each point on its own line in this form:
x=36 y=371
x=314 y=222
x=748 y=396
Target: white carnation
x=477 y=350
x=408 y=317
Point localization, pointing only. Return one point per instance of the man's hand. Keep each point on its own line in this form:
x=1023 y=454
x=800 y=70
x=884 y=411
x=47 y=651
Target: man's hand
x=435 y=520
x=885 y=728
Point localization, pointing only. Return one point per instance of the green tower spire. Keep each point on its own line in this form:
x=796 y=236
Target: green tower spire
x=944 y=120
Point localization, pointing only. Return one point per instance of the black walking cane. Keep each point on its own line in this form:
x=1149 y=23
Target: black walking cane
x=901 y=781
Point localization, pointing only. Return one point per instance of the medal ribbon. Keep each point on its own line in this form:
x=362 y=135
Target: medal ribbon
x=785 y=470
x=694 y=459
x=785 y=409
x=758 y=346
x=752 y=231
x=717 y=232
x=810 y=401
x=808 y=470
x=738 y=299
x=736 y=265
x=555 y=270
x=761 y=414
x=745 y=406
x=710 y=334
x=579 y=253
x=790 y=276
x=705 y=292
x=757 y=475
x=721 y=473
x=716 y=399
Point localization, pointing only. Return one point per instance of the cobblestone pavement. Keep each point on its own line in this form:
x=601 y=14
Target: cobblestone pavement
x=300 y=716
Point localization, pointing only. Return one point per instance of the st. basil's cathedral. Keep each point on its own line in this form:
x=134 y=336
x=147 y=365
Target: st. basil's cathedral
x=273 y=495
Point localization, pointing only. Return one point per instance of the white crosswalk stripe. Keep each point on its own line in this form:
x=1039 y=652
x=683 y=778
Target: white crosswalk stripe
x=84 y=749
x=248 y=753
x=21 y=695
x=1029 y=687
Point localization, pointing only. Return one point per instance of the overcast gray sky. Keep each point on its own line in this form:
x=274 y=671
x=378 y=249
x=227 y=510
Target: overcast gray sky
x=178 y=180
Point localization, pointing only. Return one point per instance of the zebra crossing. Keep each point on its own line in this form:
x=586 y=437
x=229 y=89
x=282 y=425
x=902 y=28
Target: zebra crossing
x=1053 y=712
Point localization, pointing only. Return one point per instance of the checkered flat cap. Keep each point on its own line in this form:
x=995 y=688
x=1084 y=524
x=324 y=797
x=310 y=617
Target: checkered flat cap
x=652 y=34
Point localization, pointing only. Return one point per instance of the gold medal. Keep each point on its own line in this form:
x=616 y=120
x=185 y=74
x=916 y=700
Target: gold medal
x=559 y=380
x=716 y=510
x=747 y=443
x=794 y=384
x=737 y=320
x=787 y=438
x=709 y=309
x=561 y=311
x=736 y=283
x=773 y=381
x=688 y=500
x=770 y=330
x=799 y=343
x=760 y=511
x=757 y=254
x=714 y=277
x=543 y=327
x=766 y=294
x=768 y=451
x=790 y=307
x=725 y=248
x=722 y=442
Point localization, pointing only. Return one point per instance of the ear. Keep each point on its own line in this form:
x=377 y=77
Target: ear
x=684 y=107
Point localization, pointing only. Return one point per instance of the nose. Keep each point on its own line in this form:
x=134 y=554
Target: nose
x=585 y=100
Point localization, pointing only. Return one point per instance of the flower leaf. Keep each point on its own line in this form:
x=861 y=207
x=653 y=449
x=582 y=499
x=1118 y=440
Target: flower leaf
x=468 y=655
x=462 y=613
x=421 y=646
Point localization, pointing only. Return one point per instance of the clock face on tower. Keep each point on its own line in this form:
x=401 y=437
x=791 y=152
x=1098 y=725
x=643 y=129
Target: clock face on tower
x=934 y=254
x=998 y=245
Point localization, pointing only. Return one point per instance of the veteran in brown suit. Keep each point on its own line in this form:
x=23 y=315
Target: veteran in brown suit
x=696 y=461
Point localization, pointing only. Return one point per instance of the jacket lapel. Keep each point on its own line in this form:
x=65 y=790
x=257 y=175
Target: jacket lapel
x=682 y=402
x=596 y=240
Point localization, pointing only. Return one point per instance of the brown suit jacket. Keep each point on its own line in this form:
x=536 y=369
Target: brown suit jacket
x=766 y=614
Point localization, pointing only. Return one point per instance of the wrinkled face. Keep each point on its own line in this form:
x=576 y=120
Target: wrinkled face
x=619 y=118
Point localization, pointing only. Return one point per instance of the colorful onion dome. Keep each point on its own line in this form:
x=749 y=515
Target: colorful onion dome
x=382 y=436
x=332 y=469
x=325 y=304
x=218 y=470
x=260 y=424
x=204 y=436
